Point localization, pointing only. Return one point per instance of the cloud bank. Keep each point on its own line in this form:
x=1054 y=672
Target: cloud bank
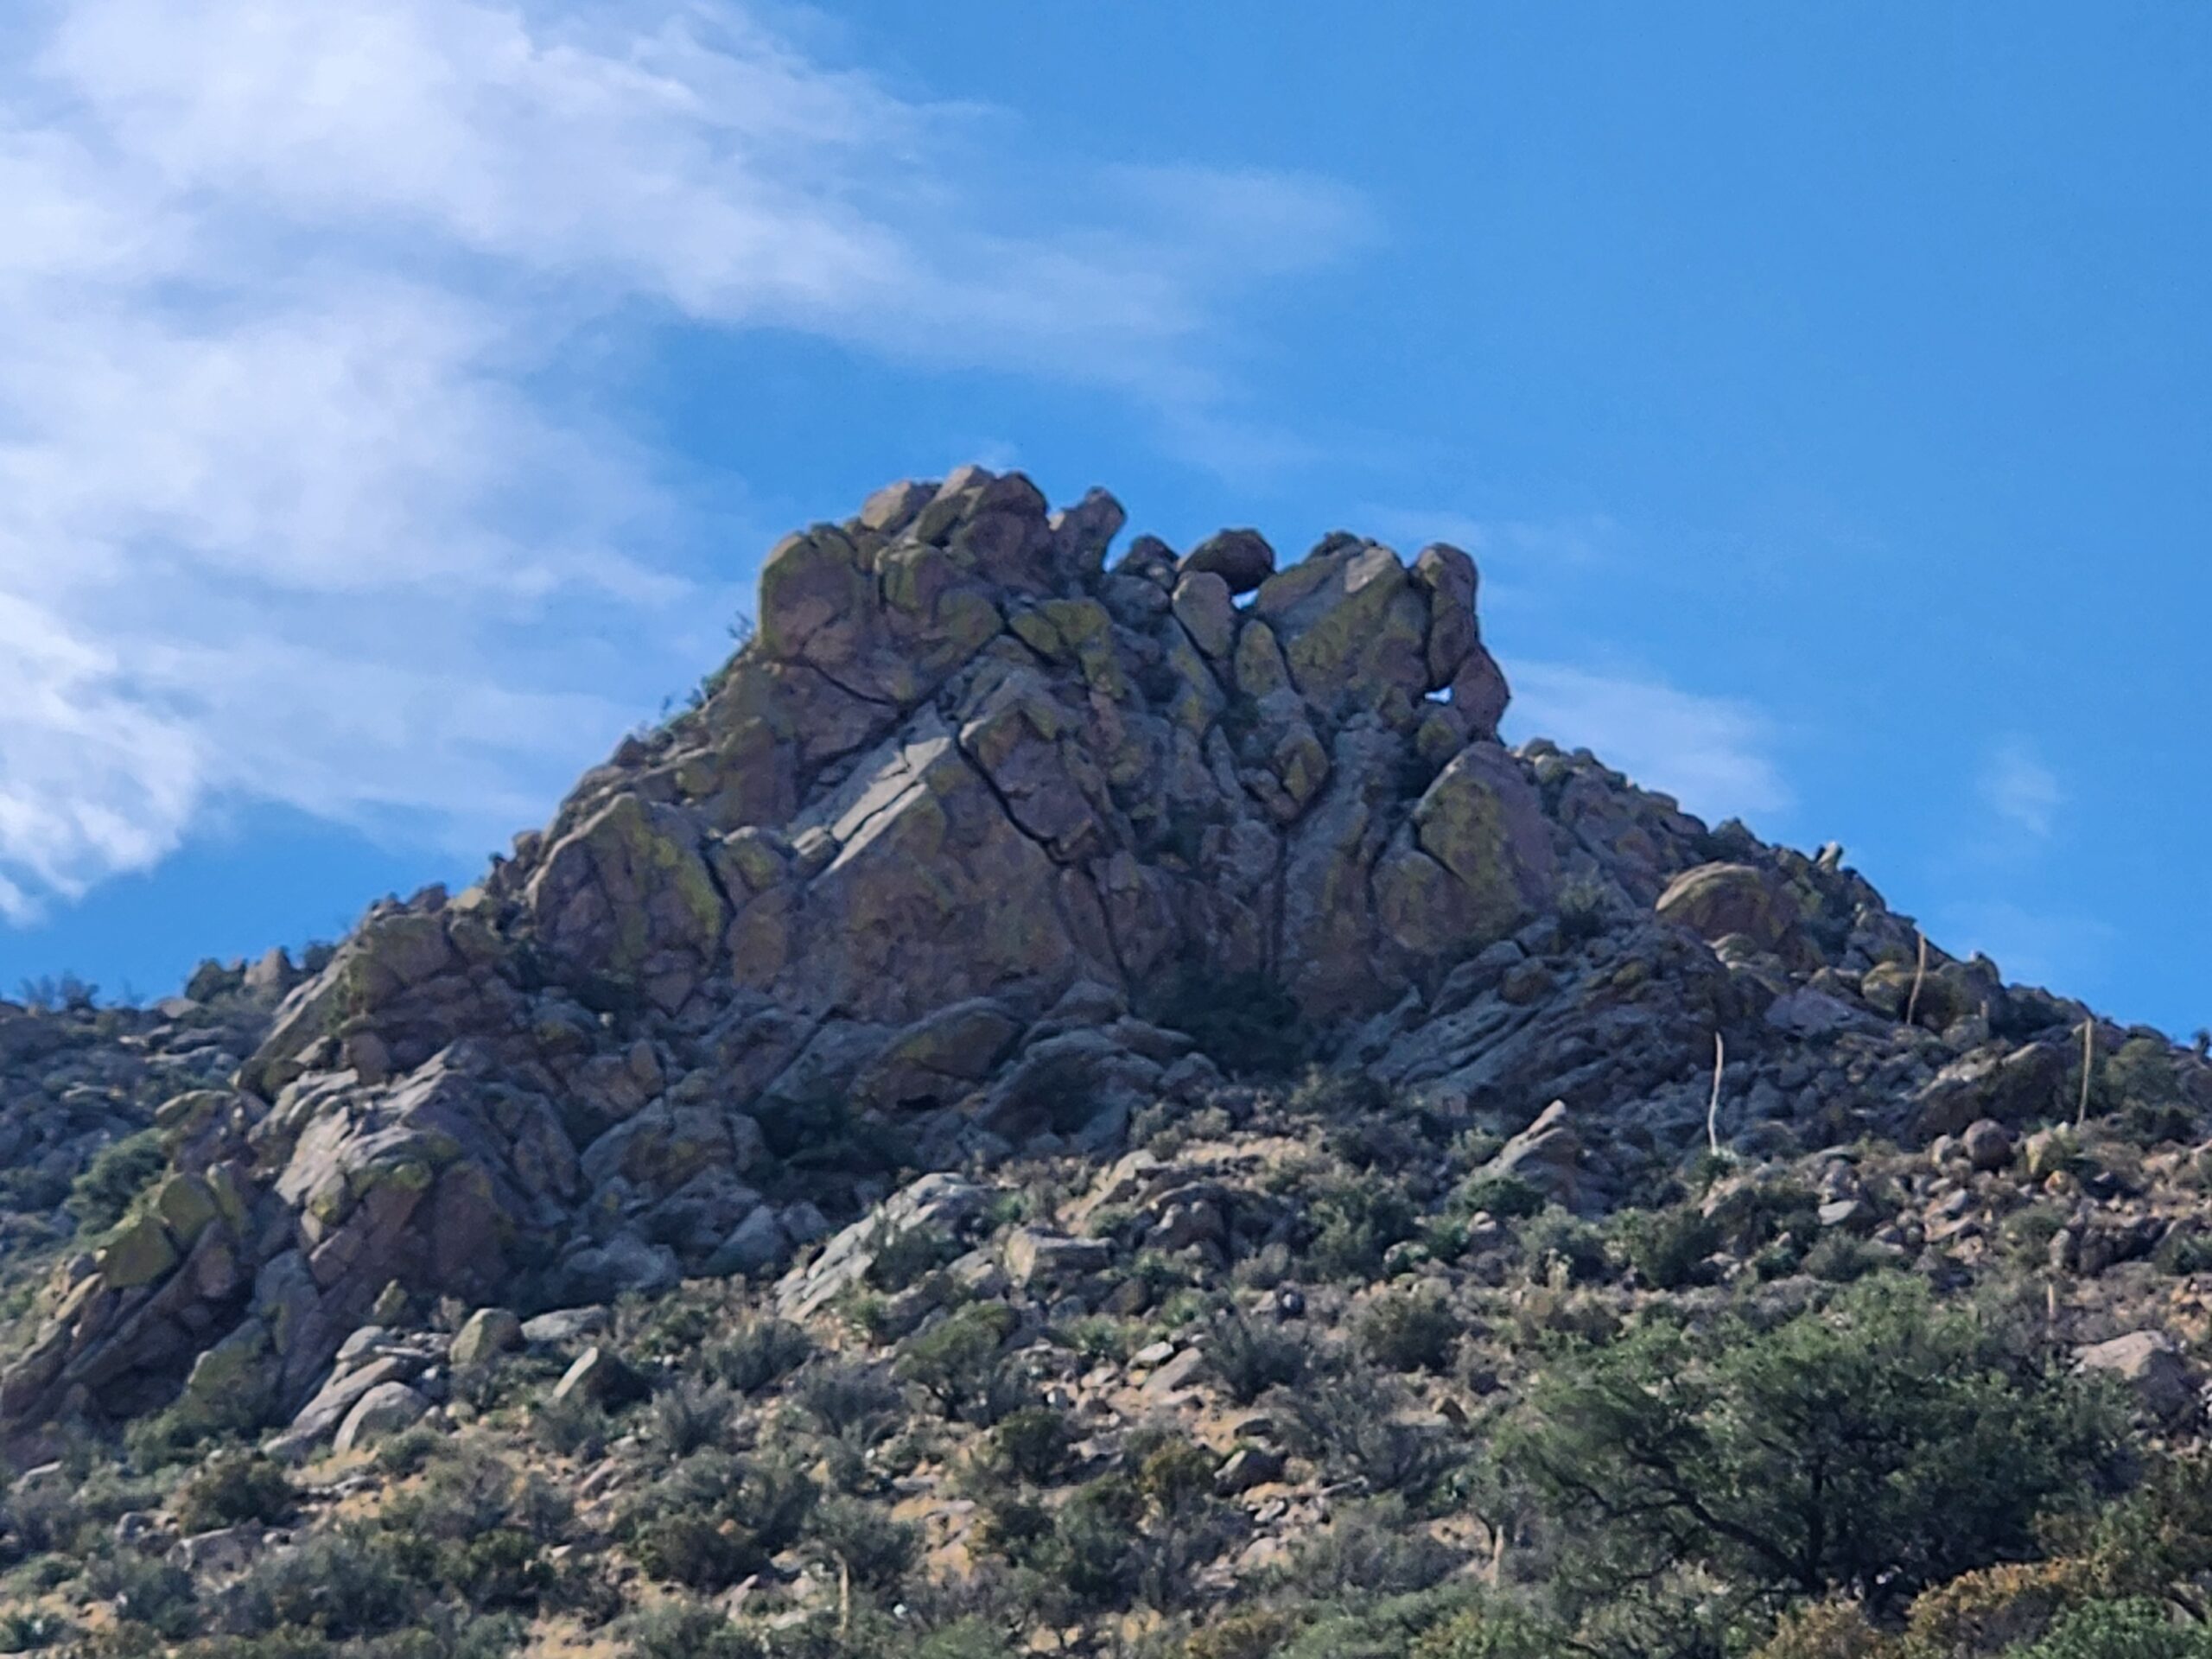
x=294 y=487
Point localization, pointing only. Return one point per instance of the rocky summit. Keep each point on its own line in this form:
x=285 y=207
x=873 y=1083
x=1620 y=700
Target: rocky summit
x=1011 y=945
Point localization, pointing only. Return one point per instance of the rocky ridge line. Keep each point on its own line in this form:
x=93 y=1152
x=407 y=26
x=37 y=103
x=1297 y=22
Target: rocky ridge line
x=957 y=858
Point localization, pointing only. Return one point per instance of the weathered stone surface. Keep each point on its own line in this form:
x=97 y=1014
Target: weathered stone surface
x=2151 y=1365
x=1240 y=558
x=936 y=1203
x=384 y=1409
x=1716 y=900
x=485 y=1334
x=599 y=1376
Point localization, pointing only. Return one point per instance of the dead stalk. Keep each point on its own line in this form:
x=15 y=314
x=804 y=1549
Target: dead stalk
x=1919 y=978
x=1713 y=1110
x=2088 y=1061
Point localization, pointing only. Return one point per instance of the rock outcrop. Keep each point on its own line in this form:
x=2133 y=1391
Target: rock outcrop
x=975 y=845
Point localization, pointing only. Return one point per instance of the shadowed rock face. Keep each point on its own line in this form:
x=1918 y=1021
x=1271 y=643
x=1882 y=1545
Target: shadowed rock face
x=928 y=859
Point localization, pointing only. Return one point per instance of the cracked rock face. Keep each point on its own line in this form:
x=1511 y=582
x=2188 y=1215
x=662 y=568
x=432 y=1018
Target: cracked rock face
x=924 y=865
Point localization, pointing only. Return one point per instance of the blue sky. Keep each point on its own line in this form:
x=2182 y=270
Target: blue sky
x=395 y=397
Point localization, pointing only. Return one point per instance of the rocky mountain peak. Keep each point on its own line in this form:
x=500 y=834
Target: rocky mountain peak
x=983 y=844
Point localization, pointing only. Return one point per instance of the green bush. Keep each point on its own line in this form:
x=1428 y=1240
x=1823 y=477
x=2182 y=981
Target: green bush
x=1033 y=1444
x=691 y=1416
x=1247 y=1357
x=1667 y=1248
x=758 y=1353
x=1413 y=1331
x=112 y=1182
x=232 y=1489
x=2138 y=1628
x=1876 y=1446
x=956 y=1363
x=863 y=1539
x=1508 y=1197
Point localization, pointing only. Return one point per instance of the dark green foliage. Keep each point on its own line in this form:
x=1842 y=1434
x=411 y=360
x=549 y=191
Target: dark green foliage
x=1508 y=1197
x=957 y=1363
x=686 y=1629
x=231 y=1488
x=1667 y=1248
x=850 y=1399
x=758 y=1352
x=1247 y=1357
x=1556 y=1242
x=906 y=1258
x=152 y=1595
x=99 y=1197
x=1356 y=1221
x=1877 y=1446
x=864 y=1540
x=1372 y=1550
x=571 y=1426
x=714 y=1519
x=347 y=1583
x=1842 y=1258
x=691 y=1416
x=2137 y=1627
x=1346 y=1423
x=1413 y=1331
x=1033 y=1444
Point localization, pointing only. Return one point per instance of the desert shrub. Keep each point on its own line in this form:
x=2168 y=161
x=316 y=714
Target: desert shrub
x=1346 y=1423
x=680 y=1629
x=694 y=1551
x=691 y=1416
x=1875 y=1446
x=1357 y=1221
x=906 y=1257
x=153 y=1595
x=336 y=1586
x=1584 y=908
x=1247 y=1357
x=2138 y=1628
x=33 y=1630
x=1667 y=1248
x=1504 y=1195
x=571 y=1427
x=1842 y=1258
x=1033 y=1445
x=715 y=1519
x=1371 y=1549
x=231 y=1488
x=1413 y=1331
x=863 y=1538
x=847 y=1398
x=1994 y=1610
x=1558 y=1245
x=758 y=1353
x=1835 y=1627
x=118 y=1174
x=957 y=1363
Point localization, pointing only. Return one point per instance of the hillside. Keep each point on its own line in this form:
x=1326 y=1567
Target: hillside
x=1090 y=1104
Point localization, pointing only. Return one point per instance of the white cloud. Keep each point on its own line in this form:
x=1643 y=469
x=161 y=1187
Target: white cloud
x=295 y=502
x=2023 y=792
x=1711 y=753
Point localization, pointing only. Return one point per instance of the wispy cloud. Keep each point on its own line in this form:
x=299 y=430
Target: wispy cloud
x=1714 y=754
x=293 y=486
x=2019 y=790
